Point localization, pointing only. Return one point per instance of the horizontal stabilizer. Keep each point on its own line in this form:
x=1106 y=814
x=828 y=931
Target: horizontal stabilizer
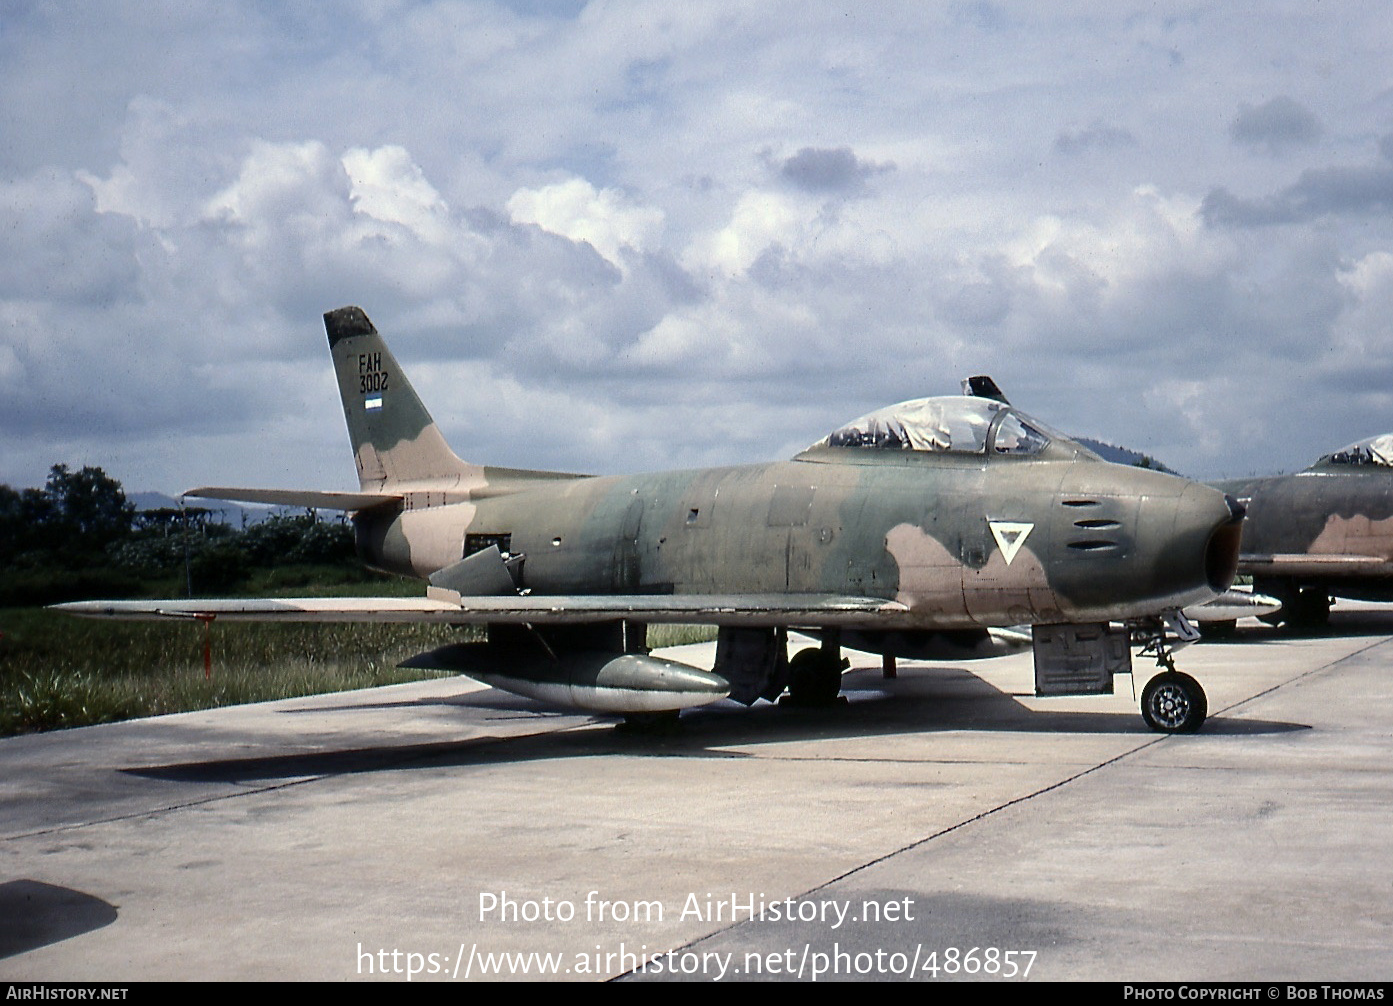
x=314 y=499
x=446 y=606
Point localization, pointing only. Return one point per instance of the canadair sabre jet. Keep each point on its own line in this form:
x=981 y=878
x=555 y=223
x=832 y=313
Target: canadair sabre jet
x=909 y=532
x=1326 y=531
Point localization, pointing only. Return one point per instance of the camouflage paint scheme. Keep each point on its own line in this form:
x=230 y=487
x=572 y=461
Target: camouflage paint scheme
x=1015 y=525
x=1326 y=531
x=1107 y=541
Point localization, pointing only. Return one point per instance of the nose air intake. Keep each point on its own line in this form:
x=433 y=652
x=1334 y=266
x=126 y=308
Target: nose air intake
x=1221 y=552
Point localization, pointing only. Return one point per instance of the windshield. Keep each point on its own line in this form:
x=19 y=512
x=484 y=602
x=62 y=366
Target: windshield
x=957 y=424
x=1373 y=451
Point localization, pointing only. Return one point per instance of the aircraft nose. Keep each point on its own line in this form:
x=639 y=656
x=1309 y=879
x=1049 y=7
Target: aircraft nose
x=1142 y=543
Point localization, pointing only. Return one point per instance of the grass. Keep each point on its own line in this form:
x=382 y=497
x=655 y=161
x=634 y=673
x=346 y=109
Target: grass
x=57 y=671
x=679 y=635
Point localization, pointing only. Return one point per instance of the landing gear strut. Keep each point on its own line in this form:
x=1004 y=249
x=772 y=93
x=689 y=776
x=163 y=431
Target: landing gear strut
x=1171 y=702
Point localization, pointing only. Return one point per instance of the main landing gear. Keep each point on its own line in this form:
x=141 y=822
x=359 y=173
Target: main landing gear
x=815 y=673
x=1304 y=609
x=661 y=724
x=1171 y=702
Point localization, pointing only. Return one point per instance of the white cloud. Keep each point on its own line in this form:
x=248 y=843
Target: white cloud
x=1363 y=336
x=574 y=209
x=742 y=333
x=284 y=182
x=388 y=185
x=760 y=219
x=631 y=207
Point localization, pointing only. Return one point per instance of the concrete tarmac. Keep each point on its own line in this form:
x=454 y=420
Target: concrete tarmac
x=443 y=830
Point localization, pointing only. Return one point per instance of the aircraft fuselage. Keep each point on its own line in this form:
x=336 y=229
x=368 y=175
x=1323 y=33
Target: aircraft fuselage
x=1326 y=531
x=962 y=541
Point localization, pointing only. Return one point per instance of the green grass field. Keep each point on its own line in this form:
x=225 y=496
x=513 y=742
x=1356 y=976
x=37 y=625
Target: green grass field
x=58 y=671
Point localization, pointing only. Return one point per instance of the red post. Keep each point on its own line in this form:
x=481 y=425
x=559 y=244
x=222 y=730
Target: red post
x=207 y=621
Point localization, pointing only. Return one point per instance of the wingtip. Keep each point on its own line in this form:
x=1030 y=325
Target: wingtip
x=343 y=322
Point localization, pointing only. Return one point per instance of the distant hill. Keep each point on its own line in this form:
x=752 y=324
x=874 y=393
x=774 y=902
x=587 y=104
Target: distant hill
x=1124 y=456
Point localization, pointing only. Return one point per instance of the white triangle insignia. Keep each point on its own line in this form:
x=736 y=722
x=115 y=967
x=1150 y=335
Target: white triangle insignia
x=1010 y=535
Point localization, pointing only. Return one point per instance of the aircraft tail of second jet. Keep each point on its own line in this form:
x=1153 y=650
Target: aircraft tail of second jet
x=396 y=443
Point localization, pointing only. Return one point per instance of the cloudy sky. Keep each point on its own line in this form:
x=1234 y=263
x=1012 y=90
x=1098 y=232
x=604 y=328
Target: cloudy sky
x=612 y=236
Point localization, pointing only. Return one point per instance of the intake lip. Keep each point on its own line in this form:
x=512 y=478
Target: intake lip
x=1221 y=551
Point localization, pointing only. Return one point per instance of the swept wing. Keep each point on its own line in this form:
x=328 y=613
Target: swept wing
x=445 y=606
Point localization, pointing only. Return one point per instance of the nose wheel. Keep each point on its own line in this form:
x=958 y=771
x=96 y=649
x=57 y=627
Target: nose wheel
x=1172 y=702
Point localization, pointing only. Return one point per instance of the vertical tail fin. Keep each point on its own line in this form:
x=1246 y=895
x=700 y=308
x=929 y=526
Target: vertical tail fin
x=395 y=441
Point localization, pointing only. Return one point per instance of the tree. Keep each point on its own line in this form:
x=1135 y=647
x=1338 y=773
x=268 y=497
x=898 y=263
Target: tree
x=29 y=527
x=90 y=510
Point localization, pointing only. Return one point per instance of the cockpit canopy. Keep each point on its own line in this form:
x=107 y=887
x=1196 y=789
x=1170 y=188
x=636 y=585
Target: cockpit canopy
x=1370 y=451
x=954 y=424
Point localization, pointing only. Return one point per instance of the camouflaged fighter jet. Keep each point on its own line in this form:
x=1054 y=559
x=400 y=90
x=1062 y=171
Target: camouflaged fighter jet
x=1324 y=531
x=907 y=532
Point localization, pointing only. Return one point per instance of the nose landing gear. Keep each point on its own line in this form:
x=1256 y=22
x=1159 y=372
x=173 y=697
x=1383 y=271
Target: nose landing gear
x=1171 y=702
x=1174 y=703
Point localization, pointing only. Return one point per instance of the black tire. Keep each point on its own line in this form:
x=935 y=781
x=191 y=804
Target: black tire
x=1174 y=703
x=1309 y=610
x=814 y=678
x=650 y=724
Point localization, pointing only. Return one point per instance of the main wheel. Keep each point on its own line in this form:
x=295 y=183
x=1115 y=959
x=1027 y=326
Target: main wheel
x=650 y=724
x=1174 y=703
x=814 y=677
x=1309 y=610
